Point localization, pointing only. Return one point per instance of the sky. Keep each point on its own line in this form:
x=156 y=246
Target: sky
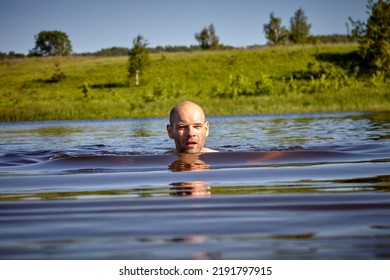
x=96 y=24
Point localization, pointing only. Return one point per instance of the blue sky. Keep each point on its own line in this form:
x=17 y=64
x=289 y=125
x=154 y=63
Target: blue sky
x=95 y=24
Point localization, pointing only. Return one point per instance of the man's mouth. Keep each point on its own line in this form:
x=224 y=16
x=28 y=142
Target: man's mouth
x=191 y=144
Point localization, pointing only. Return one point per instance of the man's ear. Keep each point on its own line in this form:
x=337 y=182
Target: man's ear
x=170 y=131
x=207 y=128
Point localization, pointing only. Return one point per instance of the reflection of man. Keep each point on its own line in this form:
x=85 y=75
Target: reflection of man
x=188 y=128
x=188 y=162
x=192 y=188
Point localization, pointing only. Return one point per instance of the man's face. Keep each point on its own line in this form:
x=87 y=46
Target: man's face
x=189 y=130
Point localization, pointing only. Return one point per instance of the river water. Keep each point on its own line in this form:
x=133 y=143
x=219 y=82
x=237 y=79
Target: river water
x=299 y=186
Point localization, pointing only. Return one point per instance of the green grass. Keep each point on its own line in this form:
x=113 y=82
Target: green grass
x=251 y=81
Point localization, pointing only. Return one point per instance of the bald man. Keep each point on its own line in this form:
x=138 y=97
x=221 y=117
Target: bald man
x=188 y=128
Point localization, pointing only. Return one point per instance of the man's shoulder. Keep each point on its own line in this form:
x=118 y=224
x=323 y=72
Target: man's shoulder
x=207 y=150
x=204 y=150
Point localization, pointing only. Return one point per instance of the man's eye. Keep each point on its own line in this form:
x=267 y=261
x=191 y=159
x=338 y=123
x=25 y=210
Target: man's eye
x=181 y=127
x=199 y=126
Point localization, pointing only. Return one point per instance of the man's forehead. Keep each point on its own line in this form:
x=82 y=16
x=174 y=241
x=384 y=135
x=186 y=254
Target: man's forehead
x=190 y=117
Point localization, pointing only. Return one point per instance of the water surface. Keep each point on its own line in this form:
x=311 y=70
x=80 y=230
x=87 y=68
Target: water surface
x=301 y=186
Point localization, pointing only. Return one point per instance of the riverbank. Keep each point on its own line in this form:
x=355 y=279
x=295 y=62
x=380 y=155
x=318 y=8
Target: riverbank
x=241 y=81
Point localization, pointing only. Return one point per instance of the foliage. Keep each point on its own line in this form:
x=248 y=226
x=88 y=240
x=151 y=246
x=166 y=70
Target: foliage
x=58 y=74
x=49 y=43
x=138 y=57
x=374 y=37
x=299 y=28
x=170 y=48
x=274 y=31
x=207 y=38
x=332 y=39
x=11 y=55
x=114 y=51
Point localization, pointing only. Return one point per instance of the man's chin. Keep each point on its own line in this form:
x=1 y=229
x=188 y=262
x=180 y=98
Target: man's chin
x=192 y=150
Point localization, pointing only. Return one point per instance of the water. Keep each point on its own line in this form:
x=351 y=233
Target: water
x=308 y=186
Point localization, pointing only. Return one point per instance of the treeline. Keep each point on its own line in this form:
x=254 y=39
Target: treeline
x=330 y=39
x=11 y=55
x=123 y=51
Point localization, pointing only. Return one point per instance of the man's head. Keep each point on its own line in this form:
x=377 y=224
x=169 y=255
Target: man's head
x=188 y=127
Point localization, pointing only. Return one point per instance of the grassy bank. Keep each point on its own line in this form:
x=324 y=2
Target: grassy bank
x=264 y=80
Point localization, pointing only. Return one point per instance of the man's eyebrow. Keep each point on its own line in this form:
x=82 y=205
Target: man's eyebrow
x=183 y=123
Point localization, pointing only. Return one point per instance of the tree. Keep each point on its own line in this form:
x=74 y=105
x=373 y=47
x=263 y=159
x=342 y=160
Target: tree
x=374 y=37
x=138 y=58
x=299 y=28
x=52 y=43
x=207 y=38
x=274 y=31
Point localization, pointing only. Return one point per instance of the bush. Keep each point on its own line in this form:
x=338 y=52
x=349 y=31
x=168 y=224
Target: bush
x=374 y=37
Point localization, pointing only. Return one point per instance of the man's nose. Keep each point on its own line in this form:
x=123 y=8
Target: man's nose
x=191 y=130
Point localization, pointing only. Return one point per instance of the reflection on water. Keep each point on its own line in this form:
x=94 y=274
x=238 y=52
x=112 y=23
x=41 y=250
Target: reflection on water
x=191 y=188
x=188 y=162
x=310 y=186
